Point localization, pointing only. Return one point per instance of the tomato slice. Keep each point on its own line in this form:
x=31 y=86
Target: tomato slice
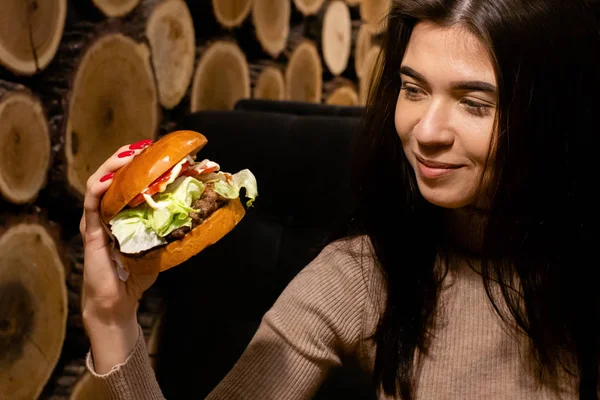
x=194 y=172
x=159 y=185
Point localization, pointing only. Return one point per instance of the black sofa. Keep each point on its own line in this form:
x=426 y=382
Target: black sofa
x=299 y=154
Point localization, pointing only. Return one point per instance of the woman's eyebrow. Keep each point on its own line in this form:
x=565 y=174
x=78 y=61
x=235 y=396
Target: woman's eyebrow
x=474 y=86
x=477 y=86
x=406 y=70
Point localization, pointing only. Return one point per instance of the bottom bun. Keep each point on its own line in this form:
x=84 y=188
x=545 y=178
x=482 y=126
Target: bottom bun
x=220 y=223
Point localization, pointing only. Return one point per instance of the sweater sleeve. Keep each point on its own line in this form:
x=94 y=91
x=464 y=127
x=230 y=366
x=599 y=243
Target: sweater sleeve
x=134 y=379
x=315 y=322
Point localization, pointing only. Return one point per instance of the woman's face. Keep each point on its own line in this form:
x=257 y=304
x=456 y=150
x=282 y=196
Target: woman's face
x=445 y=112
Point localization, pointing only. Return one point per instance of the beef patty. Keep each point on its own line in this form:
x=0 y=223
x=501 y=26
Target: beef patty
x=208 y=203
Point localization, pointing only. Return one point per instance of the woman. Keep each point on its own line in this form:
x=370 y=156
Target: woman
x=468 y=269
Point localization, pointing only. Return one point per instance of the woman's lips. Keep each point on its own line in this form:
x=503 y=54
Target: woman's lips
x=433 y=169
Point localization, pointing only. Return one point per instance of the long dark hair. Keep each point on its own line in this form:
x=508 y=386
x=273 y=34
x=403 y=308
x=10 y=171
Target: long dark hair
x=538 y=244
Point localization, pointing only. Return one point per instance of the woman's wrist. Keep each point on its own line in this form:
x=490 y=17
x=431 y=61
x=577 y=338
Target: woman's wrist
x=111 y=344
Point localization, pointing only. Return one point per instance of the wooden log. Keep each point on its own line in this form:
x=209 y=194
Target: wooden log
x=304 y=73
x=267 y=81
x=374 y=13
x=115 y=8
x=331 y=29
x=86 y=389
x=71 y=364
x=113 y=101
x=362 y=44
x=30 y=33
x=350 y=71
x=308 y=7
x=341 y=92
x=24 y=144
x=103 y=95
x=222 y=77
x=229 y=14
x=271 y=20
x=370 y=74
x=343 y=96
x=169 y=29
x=33 y=309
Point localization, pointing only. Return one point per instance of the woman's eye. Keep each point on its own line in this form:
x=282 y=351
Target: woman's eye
x=411 y=92
x=477 y=108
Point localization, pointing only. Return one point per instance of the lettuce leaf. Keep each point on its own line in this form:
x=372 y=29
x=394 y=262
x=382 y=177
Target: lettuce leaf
x=146 y=226
x=175 y=205
x=230 y=188
x=133 y=232
x=245 y=179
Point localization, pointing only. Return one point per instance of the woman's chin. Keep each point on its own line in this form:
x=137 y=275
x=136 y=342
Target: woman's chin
x=446 y=198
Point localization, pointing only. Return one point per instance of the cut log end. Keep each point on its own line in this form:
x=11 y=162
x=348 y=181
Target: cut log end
x=270 y=85
x=222 y=77
x=86 y=389
x=116 y=8
x=231 y=13
x=343 y=96
x=271 y=21
x=364 y=42
x=370 y=73
x=30 y=34
x=374 y=13
x=33 y=310
x=308 y=7
x=340 y=92
x=24 y=146
x=111 y=108
x=336 y=37
x=303 y=75
x=170 y=33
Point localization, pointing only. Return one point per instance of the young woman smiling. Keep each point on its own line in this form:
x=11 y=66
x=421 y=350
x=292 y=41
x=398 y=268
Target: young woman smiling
x=469 y=269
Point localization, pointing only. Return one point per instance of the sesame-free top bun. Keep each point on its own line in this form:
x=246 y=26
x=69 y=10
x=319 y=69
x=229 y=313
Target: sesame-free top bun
x=146 y=167
x=210 y=231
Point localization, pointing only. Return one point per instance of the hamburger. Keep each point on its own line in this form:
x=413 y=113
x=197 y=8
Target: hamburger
x=166 y=206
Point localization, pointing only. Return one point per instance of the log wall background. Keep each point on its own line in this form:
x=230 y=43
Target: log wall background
x=80 y=78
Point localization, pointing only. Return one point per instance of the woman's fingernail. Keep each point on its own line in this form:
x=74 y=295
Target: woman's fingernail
x=141 y=144
x=126 y=153
x=107 y=177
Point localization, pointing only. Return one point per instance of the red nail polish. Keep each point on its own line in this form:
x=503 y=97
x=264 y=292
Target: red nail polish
x=126 y=153
x=107 y=177
x=141 y=144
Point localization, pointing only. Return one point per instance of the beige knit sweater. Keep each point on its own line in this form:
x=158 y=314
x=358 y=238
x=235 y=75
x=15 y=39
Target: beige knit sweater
x=322 y=316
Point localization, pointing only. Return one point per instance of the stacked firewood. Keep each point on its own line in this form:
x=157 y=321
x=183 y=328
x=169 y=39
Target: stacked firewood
x=79 y=79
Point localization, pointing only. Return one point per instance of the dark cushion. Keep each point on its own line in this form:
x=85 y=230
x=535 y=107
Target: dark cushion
x=215 y=301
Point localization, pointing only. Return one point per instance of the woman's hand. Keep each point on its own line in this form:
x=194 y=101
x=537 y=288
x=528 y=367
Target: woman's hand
x=108 y=304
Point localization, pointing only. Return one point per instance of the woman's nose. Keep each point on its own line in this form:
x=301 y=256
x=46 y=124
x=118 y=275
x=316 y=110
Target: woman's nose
x=434 y=127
